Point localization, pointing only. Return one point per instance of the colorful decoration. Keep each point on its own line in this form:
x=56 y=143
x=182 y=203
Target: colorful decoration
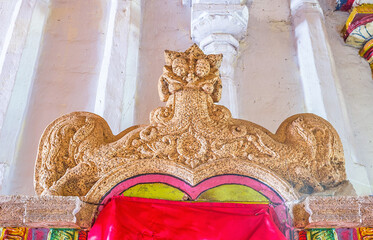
x=222 y=193
x=65 y=234
x=300 y=235
x=344 y=5
x=38 y=233
x=358 y=31
x=155 y=191
x=346 y=234
x=322 y=234
x=142 y=218
x=211 y=189
x=14 y=233
x=83 y=235
x=334 y=234
x=359 y=27
x=233 y=193
x=22 y=233
x=365 y=233
x=347 y=5
x=367 y=52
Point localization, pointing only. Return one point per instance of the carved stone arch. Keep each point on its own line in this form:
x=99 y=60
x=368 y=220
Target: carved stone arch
x=192 y=139
x=192 y=144
x=107 y=183
x=197 y=181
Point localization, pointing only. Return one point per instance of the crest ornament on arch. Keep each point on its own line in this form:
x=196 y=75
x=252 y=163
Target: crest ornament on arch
x=191 y=69
x=187 y=138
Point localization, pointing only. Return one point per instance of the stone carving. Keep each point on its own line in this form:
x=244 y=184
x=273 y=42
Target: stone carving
x=77 y=149
x=333 y=211
x=218 y=28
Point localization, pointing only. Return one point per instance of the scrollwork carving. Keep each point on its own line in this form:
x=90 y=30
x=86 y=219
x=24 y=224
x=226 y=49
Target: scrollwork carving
x=78 y=149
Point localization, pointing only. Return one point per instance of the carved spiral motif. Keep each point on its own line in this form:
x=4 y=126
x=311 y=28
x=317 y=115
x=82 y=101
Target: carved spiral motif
x=161 y=115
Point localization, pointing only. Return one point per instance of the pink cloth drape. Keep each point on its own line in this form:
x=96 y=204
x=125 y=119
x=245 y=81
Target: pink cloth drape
x=142 y=219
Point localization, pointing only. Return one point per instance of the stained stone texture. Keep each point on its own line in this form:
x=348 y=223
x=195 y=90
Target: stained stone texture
x=12 y=210
x=300 y=214
x=189 y=135
x=331 y=212
x=366 y=211
x=45 y=211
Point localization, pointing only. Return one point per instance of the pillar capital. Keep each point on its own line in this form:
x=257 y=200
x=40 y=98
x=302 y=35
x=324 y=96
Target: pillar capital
x=218 y=26
x=208 y=18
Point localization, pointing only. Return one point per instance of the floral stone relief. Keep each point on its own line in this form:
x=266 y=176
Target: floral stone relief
x=78 y=149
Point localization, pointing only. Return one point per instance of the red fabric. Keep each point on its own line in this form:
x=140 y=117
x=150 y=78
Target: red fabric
x=142 y=219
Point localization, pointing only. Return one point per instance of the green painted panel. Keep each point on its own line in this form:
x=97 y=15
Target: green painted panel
x=232 y=193
x=62 y=234
x=322 y=234
x=155 y=190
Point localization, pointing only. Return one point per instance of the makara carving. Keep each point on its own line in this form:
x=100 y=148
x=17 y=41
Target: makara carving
x=77 y=149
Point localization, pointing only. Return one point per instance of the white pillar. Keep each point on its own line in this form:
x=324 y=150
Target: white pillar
x=321 y=85
x=19 y=52
x=217 y=26
x=118 y=75
x=65 y=79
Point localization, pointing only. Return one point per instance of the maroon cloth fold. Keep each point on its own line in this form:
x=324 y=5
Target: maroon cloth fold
x=139 y=219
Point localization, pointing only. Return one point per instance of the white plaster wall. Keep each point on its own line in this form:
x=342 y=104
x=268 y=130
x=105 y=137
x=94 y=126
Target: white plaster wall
x=165 y=25
x=118 y=74
x=356 y=87
x=65 y=79
x=8 y=15
x=19 y=63
x=269 y=84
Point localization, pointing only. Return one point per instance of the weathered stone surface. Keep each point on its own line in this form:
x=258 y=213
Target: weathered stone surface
x=190 y=133
x=338 y=211
x=86 y=215
x=366 y=211
x=12 y=210
x=343 y=189
x=45 y=211
x=300 y=215
x=51 y=211
x=333 y=210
